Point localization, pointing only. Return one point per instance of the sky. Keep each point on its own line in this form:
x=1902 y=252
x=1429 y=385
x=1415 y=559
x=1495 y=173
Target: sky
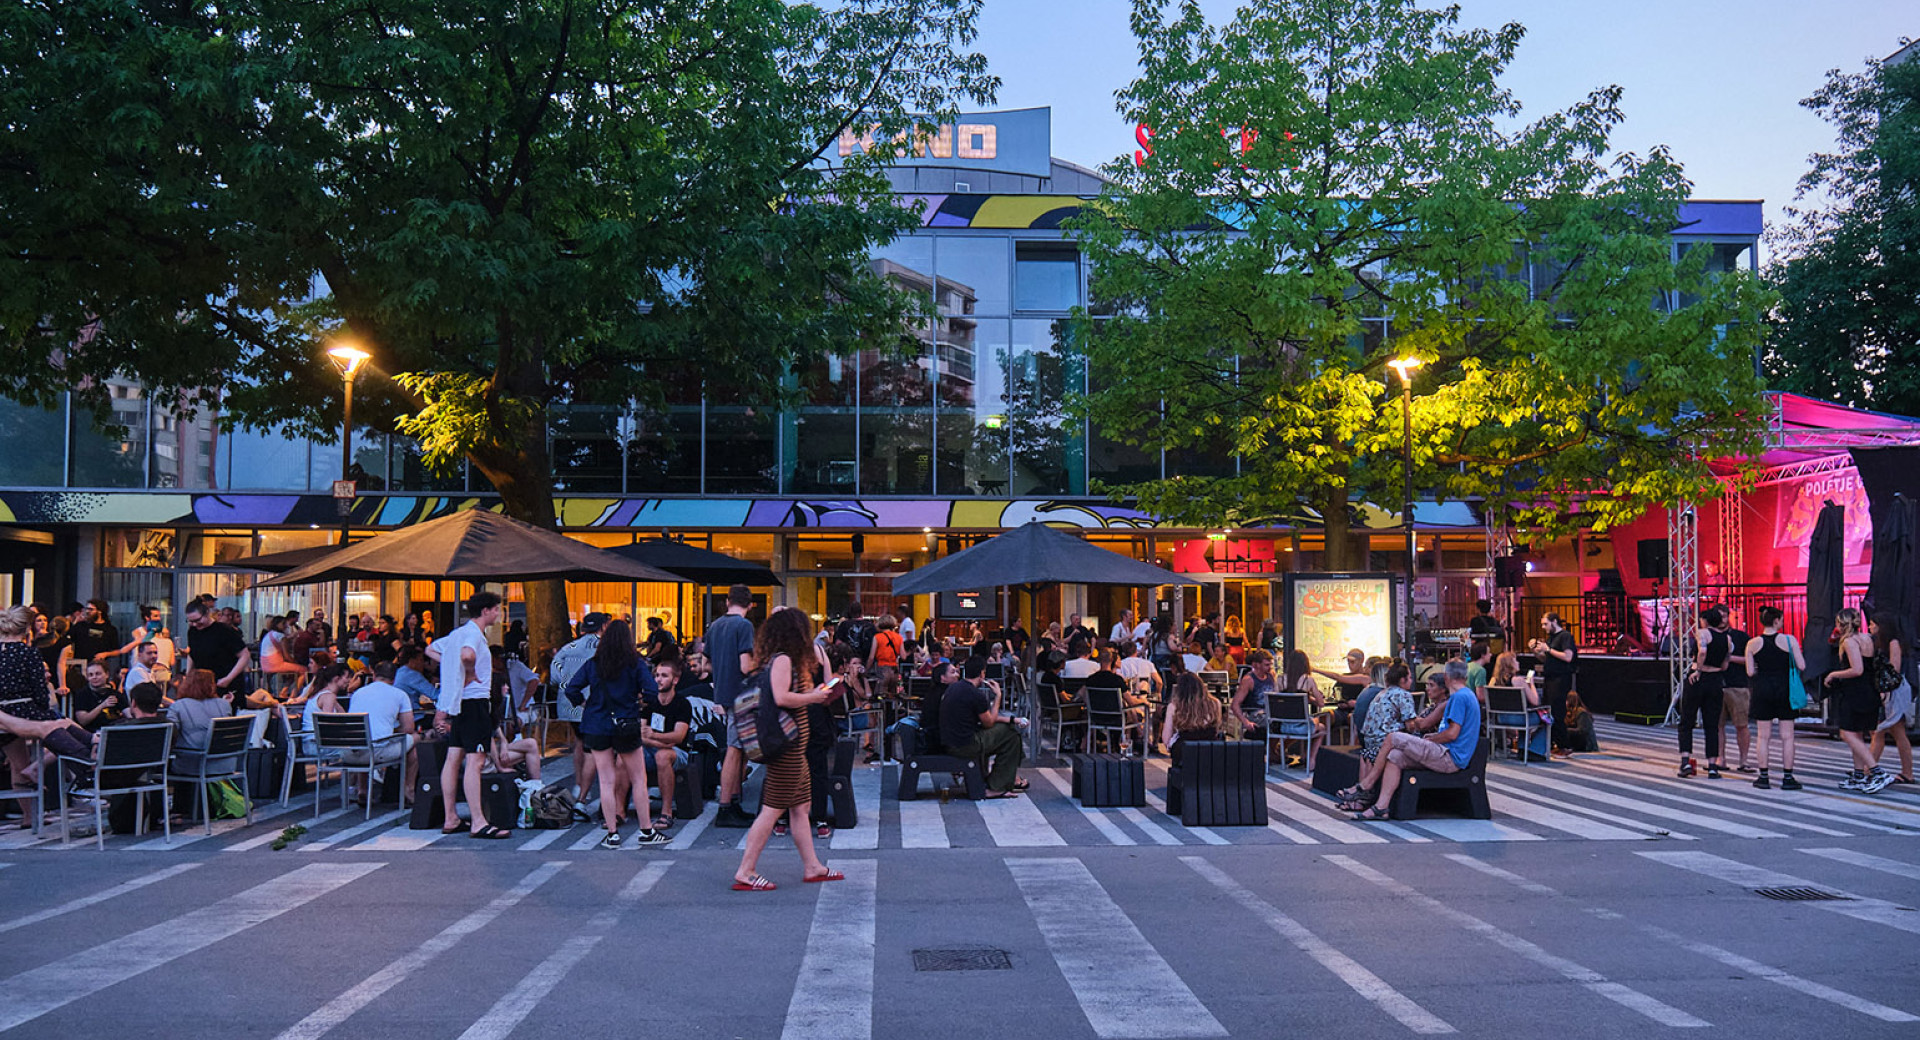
x=1717 y=81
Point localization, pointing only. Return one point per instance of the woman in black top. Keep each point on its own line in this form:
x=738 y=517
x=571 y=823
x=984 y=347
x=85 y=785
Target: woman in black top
x=1856 y=709
x=1772 y=653
x=1192 y=714
x=1702 y=695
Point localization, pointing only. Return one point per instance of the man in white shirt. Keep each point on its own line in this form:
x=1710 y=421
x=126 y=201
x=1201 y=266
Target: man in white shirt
x=466 y=665
x=906 y=622
x=1141 y=631
x=145 y=657
x=1139 y=672
x=1122 y=629
x=388 y=710
x=1080 y=662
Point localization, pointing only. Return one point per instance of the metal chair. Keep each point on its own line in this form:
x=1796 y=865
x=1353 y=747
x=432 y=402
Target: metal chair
x=1108 y=713
x=301 y=751
x=338 y=735
x=123 y=757
x=1217 y=683
x=35 y=794
x=1289 y=717
x=226 y=743
x=1062 y=715
x=1511 y=702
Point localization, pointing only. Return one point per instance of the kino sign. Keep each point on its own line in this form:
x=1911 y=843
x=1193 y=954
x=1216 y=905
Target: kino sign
x=1019 y=141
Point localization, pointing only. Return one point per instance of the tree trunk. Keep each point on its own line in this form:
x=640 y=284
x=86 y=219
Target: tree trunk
x=1336 y=525
x=524 y=478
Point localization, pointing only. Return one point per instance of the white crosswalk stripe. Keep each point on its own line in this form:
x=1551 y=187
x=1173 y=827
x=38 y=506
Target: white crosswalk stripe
x=833 y=993
x=1096 y=817
x=1861 y=859
x=83 y=902
x=923 y=825
x=1017 y=823
x=340 y=837
x=1878 y=911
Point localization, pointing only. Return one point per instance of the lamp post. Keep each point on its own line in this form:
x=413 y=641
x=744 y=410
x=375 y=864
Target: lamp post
x=348 y=359
x=1405 y=367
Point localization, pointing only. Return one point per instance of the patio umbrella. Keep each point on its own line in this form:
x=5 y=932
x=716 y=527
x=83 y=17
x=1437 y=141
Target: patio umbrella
x=1826 y=582
x=474 y=545
x=1030 y=557
x=1892 y=582
x=701 y=566
x=278 y=562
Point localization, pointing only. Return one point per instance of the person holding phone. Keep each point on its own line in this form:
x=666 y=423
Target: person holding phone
x=783 y=649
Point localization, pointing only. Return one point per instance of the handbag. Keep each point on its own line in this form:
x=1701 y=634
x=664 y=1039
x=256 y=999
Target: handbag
x=628 y=729
x=1796 y=690
x=1886 y=678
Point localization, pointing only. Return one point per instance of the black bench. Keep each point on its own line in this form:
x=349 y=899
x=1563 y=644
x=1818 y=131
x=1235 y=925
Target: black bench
x=1109 y=780
x=1219 y=783
x=689 y=800
x=840 y=785
x=1337 y=768
x=1463 y=793
x=970 y=771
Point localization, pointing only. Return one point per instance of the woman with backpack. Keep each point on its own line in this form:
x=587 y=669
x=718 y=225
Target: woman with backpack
x=611 y=727
x=783 y=655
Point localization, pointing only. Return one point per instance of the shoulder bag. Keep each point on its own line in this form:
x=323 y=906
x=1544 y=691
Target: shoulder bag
x=765 y=729
x=1796 y=689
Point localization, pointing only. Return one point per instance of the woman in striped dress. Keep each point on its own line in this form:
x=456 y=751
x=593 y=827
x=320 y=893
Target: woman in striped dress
x=783 y=653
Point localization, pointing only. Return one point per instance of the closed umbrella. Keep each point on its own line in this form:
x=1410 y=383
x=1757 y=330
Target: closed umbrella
x=475 y=545
x=1892 y=583
x=1826 y=583
x=701 y=566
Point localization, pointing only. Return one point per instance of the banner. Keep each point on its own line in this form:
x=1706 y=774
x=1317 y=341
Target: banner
x=1327 y=615
x=1800 y=506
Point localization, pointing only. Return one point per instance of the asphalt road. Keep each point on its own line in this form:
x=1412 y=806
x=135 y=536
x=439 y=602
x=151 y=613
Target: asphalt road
x=382 y=934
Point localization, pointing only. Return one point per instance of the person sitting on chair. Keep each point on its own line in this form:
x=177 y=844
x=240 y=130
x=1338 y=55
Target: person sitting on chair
x=1447 y=750
x=972 y=726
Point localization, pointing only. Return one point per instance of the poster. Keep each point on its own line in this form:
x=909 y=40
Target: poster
x=1327 y=615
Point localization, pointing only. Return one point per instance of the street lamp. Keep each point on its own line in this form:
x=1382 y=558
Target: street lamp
x=1405 y=367
x=348 y=359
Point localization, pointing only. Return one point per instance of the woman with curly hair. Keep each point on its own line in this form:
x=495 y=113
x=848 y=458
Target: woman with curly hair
x=783 y=652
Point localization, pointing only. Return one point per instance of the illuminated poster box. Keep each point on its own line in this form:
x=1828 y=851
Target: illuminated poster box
x=1329 y=614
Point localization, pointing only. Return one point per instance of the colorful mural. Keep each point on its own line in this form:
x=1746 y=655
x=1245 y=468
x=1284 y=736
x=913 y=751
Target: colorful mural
x=999 y=212
x=615 y=513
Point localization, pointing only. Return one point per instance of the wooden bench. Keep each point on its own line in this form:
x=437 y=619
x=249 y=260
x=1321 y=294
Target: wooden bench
x=1219 y=783
x=1109 y=780
x=1337 y=768
x=1463 y=793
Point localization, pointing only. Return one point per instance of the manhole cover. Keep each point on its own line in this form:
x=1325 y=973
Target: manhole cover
x=1800 y=895
x=961 y=960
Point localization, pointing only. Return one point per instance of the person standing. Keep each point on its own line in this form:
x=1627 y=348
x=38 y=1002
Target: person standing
x=611 y=726
x=907 y=631
x=1736 y=696
x=1856 y=709
x=567 y=662
x=729 y=642
x=1559 y=656
x=464 y=712
x=1702 y=696
x=1122 y=629
x=1890 y=675
x=783 y=650
x=217 y=648
x=1483 y=627
x=1770 y=655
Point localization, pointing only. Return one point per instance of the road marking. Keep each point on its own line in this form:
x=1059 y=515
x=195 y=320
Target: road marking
x=1159 y=834
x=590 y=838
x=922 y=826
x=1554 y=819
x=401 y=839
x=1207 y=834
x=1645 y=808
x=1770 y=806
x=1100 y=821
x=1311 y=799
x=1344 y=831
x=1017 y=823
x=1861 y=859
x=98 y=897
x=544 y=838
x=833 y=994
x=369 y=989
x=866 y=804
x=1343 y=967
x=352 y=832
x=516 y=1004
x=1473 y=830
x=690 y=830
x=1625 y=996
x=1732 y=960
x=268 y=838
x=1125 y=988
x=184 y=837
x=31 y=994
x=1708 y=794
x=1878 y=911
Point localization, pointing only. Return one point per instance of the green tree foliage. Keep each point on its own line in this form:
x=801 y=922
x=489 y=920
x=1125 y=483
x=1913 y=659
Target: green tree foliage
x=1847 y=260
x=510 y=203
x=1323 y=170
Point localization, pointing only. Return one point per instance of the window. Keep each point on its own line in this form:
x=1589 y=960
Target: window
x=1046 y=276
x=973 y=276
x=36 y=445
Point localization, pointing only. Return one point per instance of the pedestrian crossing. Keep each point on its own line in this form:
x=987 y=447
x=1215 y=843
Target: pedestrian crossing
x=1626 y=793
x=1094 y=946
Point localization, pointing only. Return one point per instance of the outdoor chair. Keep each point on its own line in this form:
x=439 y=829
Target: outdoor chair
x=1510 y=702
x=1108 y=715
x=124 y=759
x=35 y=794
x=224 y=758
x=348 y=741
x=301 y=752
x=1289 y=718
x=1217 y=684
x=1060 y=715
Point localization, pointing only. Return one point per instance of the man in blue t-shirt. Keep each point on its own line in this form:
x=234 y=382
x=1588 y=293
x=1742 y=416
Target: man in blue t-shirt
x=729 y=642
x=1448 y=749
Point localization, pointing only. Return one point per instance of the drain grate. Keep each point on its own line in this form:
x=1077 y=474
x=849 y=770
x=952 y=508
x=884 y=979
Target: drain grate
x=961 y=960
x=1800 y=895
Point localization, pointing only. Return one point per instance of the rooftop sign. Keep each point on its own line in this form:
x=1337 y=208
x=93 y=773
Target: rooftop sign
x=1020 y=141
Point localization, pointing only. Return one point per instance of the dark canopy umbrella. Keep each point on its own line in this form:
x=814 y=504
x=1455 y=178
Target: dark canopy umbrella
x=474 y=545
x=1826 y=582
x=278 y=562
x=1029 y=557
x=701 y=566
x=1891 y=585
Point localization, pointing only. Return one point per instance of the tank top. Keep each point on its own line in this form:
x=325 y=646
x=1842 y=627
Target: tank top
x=1256 y=698
x=1771 y=661
x=1718 y=647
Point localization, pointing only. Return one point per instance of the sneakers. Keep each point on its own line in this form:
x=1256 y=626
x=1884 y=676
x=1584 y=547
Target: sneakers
x=1855 y=781
x=1686 y=768
x=1762 y=783
x=649 y=836
x=1876 y=781
x=611 y=841
x=731 y=815
x=1788 y=783
x=1713 y=771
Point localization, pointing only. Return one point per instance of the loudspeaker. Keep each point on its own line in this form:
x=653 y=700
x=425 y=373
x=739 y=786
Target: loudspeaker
x=1653 y=558
x=1509 y=572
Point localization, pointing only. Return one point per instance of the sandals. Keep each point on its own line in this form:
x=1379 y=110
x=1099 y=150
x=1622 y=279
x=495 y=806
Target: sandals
x=1010 y=793
x=753 y=883
x=831 y=875
x=490 y=833
x=663 y=822
x=823 y=831
x=1355 y=805
x=1348 y=794
x=1377 y=813
x=1020 y=785
x=781 y=830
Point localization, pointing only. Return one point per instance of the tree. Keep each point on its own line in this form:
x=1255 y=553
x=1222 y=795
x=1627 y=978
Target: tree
x=1846 y=262
x=510 y=204
x=1335 y=184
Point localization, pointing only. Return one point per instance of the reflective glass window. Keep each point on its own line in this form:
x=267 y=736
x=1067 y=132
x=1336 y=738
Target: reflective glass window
x=973 y=275
x=36 y=441
x=743 y=455
x=824 y=452
x=112 y=458
x=1046 y=276
x=1047 y=446
x=664 y=453
x=971 y=381
x=586 y=447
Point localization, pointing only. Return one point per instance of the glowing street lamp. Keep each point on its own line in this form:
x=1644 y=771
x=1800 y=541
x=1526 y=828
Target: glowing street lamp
x=1406 y=366
x=347 y=358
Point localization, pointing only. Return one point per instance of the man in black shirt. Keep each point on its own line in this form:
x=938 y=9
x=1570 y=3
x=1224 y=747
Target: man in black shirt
x=219 y=649
x=98 y=703
x=1736 y=698
x=668 y=722
x=1483 y=627
x=661 y=643
x=1557 y=653
x=971 y=726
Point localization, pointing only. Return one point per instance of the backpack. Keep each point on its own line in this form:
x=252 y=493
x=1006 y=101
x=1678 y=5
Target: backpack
x=858 y=633
x=548 y=809
x=765 y=729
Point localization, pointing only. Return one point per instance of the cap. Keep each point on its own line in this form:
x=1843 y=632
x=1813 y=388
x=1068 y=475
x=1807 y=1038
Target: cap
x=593 y=622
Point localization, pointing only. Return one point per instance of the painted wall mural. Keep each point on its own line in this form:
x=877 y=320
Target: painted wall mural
x=241 y=510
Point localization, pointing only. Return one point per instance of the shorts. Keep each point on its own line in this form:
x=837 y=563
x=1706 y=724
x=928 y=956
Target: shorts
x=679 y=757
x=1409 y=751
x=383 y=754
x=1772 y=701
x=609 y=742
x=733 y=733
x=1734 y=701
x=472 y=728
x=1898 y=707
